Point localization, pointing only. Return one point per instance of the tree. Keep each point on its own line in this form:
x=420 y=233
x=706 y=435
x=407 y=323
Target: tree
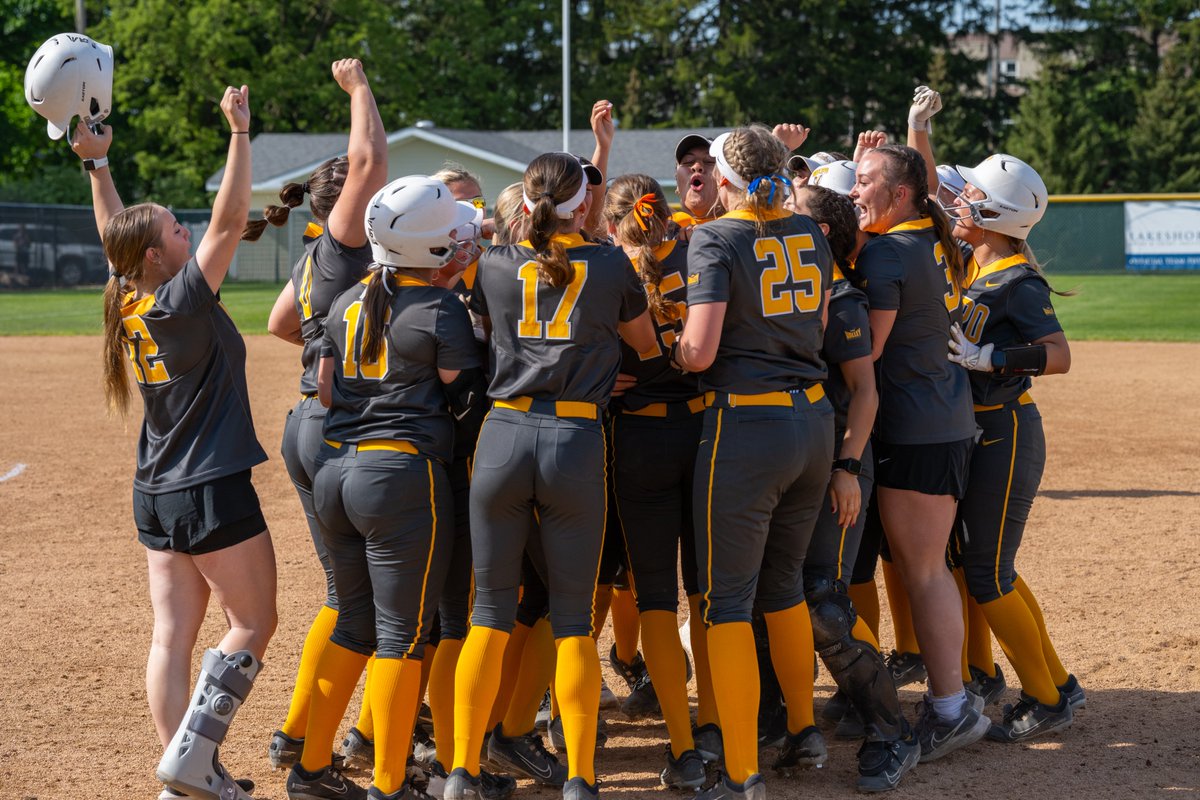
x=1163 y=141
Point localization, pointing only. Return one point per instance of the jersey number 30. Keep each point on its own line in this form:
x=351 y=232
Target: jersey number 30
x=788 y=266
x=559 y=326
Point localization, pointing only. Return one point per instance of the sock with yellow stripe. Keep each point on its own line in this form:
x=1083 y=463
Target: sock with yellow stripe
x=626 y=624
x=513 y=651
x=475 y=683
x=979 y=640
x=1057 y=671
x=537 y=668
x=862 y=632
x=600 y=604
x=865 y=597
x=960 y=580
x=314 y=644
x=366 y=724
x=735 y=684
x=1018 y=635
x=577 y=679
x=441 y=690
x=902 y=624
x=706 y=701
x=792 y=654
x=395 y=684
x=334 y=679
x=668 y=672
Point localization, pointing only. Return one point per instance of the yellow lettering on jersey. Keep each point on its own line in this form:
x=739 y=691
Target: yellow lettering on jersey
x=304 y=293
x=351 y=366
x=559 y=326
x=975 y=316
x=954 y=296
x=853 y=333
x=788 y=262
x=143 y=352
x=665 y=327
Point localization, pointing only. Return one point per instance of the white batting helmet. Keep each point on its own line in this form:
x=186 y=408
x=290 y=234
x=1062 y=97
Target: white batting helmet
x=1016 y=195
x=410 y=222
x=836 y=175
x=70 y=75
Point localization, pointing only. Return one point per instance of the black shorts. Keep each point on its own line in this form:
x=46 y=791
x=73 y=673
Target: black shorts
x=200 y=519
x=937 y=469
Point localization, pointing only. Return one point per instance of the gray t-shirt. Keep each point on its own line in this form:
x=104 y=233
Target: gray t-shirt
x=400 y=396
x=774 y=286
x=190 y=365
x=847 y=337
x=556 y=343
x=923 y=397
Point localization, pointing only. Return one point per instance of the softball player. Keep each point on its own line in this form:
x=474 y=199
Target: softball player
x=336 y=254
x=914 y=274
x=656 y=430
x=758 y=288
x=695 y=182
x=195 y=508
x=1009 y=334
x=394 y=351
x=556 y=305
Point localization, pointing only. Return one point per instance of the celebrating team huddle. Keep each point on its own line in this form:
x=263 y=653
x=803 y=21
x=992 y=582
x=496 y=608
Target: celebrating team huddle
x=813 y=363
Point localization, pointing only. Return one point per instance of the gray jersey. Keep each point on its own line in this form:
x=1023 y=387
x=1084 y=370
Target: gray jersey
x=923 y=397
x=326 y=269
x=400 y=396
x=847 y=337
x=774 y=286
x=556 y=343
x=190 y=365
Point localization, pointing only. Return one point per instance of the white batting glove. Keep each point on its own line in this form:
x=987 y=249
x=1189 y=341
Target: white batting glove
x=926 y=103
x=969 y=355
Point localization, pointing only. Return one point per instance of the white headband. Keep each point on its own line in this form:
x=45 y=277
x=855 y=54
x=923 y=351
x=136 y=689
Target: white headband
x=564 y=210
x=717 y=151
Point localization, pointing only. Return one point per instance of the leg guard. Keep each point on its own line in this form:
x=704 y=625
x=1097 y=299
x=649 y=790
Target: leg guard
x=192 y=763
x=857 y=667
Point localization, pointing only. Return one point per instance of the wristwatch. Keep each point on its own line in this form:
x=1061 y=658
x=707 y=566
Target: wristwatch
x=851 y=465
x=93 y=164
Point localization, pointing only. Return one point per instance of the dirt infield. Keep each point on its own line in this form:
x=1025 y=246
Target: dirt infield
x=1112 y=550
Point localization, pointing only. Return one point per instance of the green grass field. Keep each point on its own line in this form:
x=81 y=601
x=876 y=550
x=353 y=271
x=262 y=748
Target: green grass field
x=1145 y=308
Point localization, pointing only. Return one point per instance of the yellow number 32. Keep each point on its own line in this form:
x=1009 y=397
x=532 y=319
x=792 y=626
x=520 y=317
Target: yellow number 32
x=143 y=352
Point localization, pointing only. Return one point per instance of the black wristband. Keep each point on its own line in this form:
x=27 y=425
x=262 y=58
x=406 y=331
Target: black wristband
x=1022 y=360
x=851 y=465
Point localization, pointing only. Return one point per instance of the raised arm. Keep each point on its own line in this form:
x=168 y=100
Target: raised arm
x=232 y=205
x=926 y=103
x=93 y=147
x=368 y=167
x=604 y=130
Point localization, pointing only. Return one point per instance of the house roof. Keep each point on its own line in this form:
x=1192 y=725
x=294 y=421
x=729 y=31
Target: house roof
x=278 y=158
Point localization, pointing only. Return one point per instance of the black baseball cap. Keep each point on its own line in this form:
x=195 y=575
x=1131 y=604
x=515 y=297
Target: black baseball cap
x=690 y=143
x=594 y=176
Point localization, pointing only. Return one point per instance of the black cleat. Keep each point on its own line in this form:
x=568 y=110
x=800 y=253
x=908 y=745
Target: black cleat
x=525 y=756
x=989 y=688
x=905 y=668
x=882 y=764
x=685 y=772
x=325 y=784
x=803 y=750
x=1074 y=693
x=1029 y=719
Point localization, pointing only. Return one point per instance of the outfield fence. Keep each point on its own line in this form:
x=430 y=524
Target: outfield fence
x=47 y=245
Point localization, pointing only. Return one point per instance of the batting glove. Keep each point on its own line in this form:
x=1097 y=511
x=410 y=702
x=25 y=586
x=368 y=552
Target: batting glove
x=926 y=103
x=969 y=355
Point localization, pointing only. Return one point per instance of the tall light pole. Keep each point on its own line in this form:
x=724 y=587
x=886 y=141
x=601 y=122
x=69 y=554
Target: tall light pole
x=566 y=75
x=80 y=17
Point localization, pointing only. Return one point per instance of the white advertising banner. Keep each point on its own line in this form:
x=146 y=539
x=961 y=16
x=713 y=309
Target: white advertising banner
x=1162 y=235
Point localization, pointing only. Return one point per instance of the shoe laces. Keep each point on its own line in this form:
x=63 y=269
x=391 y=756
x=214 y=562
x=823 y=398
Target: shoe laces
x=1023 y=706
x=535 y=743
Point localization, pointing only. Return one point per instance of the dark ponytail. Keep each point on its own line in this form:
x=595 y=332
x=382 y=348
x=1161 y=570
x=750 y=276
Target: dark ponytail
x=376 y=300
x=324 y=187
x=637 y=207
x=550 y=180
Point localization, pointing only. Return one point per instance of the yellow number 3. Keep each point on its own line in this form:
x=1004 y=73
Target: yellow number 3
x=143 y=352
x=788 y=264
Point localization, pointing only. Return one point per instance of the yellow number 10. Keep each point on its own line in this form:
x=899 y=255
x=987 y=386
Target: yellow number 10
x=368 y=370
x=788 y=264
x=559 y=327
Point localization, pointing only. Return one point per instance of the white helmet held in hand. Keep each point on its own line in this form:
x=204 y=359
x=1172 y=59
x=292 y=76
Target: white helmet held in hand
x=1015 y=199
x=836 y=175
x=410 y=222
x=70 y=75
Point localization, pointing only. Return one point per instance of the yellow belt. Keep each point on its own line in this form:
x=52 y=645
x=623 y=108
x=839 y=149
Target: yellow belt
x=814 y=393
x=1025 y=399
x=694 y=406
x=308 y=395
x=561 y=408
x=396 y=445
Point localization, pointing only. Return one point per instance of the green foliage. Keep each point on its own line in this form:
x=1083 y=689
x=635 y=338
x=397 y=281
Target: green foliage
x=1163 y=141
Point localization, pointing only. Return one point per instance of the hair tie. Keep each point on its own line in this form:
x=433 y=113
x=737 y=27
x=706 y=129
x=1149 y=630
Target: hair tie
x=566 y=209
x=121 y=279
x=643 y=209
x=304 y=188
x=757 y=182
x=385 y=271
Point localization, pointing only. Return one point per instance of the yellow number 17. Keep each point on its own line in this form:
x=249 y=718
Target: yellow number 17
x=559 y=327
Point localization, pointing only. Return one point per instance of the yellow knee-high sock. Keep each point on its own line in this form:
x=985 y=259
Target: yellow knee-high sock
x=735 y=683
x=706 y=701
x=475 y=683
x=513 y=651
x=865 y=596
x=554 y=709
x=963 y=596
x=864 y=634
x=577 y=678
x=791 y=636
x=365 y=724
x=626 y=624
x=314 y=645
x=902 y=624
x=600 y=603
x=537 y=668
x=393 y=696
x=1018 y=635
x=979 y=640
x=427 y=669
x=441 y=692
x=668 y=671
x=334 y=679
x=1057 y=670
